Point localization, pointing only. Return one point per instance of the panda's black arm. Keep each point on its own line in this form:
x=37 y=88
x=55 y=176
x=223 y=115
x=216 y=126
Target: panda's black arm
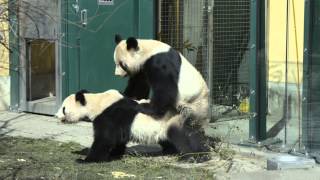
x=138 y=87
x=162 y=71
x=163 y=100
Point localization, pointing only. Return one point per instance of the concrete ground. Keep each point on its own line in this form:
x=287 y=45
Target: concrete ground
x=39 y=126
x=246 y=164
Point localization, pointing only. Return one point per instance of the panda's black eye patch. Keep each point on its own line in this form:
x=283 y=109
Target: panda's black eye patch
x=124 y=67
x=64 y=110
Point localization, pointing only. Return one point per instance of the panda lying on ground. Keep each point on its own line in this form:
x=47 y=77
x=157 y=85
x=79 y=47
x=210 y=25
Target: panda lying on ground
x=116 y=121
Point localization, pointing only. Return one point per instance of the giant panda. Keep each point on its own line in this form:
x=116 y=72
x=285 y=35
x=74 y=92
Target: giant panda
x=117 y=120
x=175 y=83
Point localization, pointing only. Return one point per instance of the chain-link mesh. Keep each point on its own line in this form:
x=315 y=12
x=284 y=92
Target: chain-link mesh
x=183 y=24
x=230 y=74
x=213 y=35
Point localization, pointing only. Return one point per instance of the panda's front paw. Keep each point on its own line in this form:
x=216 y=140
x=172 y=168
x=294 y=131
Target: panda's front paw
x=141 y=101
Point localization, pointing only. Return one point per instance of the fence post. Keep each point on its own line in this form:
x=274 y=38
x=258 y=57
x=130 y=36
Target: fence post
x=257 y=68
x=14 y=55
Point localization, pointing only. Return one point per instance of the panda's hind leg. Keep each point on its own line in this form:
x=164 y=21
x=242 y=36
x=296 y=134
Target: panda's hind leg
x=197 y=112
x=189 y=142
x=118 y=152
x=197 y=140
x=168 y=148
x=99 y=151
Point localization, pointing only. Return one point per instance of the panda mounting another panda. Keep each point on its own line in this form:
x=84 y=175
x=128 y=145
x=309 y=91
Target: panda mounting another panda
x=117 y=120
x=176 y=85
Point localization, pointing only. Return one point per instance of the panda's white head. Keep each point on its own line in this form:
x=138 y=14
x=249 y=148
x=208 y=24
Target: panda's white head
x=126 y=56
x=84 y=106
x=73 y=108
x=131 y=54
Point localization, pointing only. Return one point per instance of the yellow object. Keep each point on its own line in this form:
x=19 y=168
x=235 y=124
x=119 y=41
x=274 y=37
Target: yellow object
x=244 y=105
x=119 y=174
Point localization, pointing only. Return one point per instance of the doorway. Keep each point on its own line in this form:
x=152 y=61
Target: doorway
x=40 y=85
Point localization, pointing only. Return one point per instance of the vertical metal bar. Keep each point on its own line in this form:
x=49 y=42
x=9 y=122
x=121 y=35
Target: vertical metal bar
x=257 y=68
x=262 y=73
x=159 y=20
x=210 y=55
x=28 y=70
x=252 y=71
x=14 y=55
x=306 y=73
x=58 y=57
x=177 y=22
x=64 y=85
x=286 y=74
x=298 y=72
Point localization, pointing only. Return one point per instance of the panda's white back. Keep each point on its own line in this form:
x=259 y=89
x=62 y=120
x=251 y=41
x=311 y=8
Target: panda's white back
x=145 y=129
x=191 y=84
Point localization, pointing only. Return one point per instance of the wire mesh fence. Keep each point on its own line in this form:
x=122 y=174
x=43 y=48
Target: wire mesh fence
x=213 y=35
x=184 y=25
x=230 y=73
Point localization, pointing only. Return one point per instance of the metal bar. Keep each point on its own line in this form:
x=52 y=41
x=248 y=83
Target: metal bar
x=14 y=55
x=252 y=68
x=306 y=76
x=257 y=68
x=286 y=74
x=298 y=72
x=210 y=55
x=64 y=85
x=262 y=73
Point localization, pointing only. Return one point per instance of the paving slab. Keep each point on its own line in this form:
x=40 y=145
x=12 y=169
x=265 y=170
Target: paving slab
x=297 y=174
x=39 y=126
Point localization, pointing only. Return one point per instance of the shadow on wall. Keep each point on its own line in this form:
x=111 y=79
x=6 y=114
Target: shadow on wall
x=4 y=92
x=276 y=97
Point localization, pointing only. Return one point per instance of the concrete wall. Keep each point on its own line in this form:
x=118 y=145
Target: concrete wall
x=4 y=62
x=277 y=40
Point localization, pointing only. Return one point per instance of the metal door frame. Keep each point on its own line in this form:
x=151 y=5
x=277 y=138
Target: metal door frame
x=24 y=57
x=36 y=106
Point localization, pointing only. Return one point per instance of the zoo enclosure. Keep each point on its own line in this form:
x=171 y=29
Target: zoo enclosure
x=215 y=36
x=227 y=41
x=255 y=94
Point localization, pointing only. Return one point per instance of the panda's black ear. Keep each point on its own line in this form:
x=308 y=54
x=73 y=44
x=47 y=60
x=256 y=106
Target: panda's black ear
x=132 y=43
x=117 y=38
x=80 y=97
